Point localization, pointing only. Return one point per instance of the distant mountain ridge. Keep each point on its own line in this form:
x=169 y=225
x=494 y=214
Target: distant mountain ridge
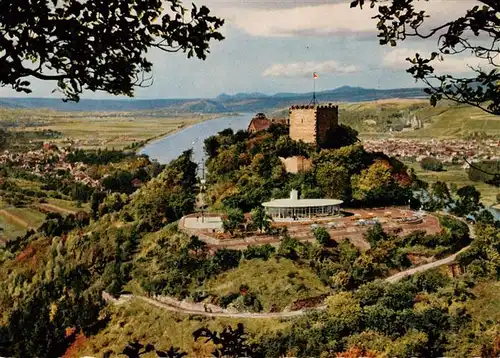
x=240 y=102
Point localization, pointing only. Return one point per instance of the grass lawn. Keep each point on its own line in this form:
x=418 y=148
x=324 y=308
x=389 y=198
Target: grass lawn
x=145 y=323
x=10 y=229
x=458 y=176
x=275 y=283
x=68 y=204
x=31 y=216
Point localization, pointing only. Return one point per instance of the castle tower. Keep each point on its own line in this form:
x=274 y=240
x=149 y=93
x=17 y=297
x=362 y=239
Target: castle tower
x=312 y=123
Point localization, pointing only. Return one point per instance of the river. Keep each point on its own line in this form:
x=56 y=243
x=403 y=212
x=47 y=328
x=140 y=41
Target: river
x=496 y=212
x=170 y=147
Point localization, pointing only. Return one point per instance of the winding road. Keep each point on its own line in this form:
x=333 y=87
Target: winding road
x=175 y=306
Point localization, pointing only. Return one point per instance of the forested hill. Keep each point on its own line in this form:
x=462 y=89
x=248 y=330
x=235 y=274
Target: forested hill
x=242 y=102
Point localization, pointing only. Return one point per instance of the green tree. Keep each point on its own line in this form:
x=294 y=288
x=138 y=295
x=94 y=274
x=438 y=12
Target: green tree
x=95 y=200
x=289 y=247
x=399 y=20
x=441 y=192
x=344 y=307
x=263 y=252
x=322 y=236
x=375 y=234
x=167 y=197
x=468 y=201
x=340 y=136
x=211 y=146
x=225 y=259
x=260 y=219
x=4 y=136
x=432 y=164
x=232 y=220
x=485 y=218
x=88 y=45
x=334 y=180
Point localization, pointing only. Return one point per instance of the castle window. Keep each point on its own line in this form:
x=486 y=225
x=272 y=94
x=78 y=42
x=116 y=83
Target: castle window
x=302 y=120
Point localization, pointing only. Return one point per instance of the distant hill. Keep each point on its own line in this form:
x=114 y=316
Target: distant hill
x=241 y=102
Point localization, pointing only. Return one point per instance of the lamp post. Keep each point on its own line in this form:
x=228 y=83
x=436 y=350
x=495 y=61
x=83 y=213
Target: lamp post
x=202 y=190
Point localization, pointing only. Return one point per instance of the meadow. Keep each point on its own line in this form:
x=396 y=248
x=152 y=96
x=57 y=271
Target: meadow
x=89 y=130
x=446 y=120
x=276 y=283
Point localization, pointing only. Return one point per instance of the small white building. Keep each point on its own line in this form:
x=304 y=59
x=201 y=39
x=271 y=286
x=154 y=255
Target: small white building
x=295 y=208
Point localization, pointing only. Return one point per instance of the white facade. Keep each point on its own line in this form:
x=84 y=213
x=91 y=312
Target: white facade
x=294 y=208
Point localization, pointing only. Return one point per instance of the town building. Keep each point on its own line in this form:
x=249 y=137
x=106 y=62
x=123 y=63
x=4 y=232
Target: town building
x=294 y=208
x=260 y=122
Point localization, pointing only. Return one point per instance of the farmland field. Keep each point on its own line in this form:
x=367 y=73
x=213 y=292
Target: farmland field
x=10 y=229
x=98 y=130
x=31 y=218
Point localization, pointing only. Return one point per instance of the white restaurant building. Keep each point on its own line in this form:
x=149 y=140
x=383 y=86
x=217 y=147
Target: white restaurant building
x=294 y=208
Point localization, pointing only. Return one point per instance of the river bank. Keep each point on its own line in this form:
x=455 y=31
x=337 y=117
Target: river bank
x=139 y=146
x=172 y=145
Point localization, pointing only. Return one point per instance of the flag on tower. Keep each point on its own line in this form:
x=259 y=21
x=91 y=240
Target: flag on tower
x=315 y=75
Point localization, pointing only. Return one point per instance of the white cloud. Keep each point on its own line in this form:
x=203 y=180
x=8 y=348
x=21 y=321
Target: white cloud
x=304 y=69
x=316 y=18
x=396 y=59
x=305 y=20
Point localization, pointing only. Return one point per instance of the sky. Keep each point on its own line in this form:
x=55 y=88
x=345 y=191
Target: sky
x=275 y=46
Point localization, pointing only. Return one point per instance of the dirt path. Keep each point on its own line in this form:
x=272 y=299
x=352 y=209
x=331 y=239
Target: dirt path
x=447 y=260
x=14 y=218
x=175 y=306
x=57 y=209
x=422 y=268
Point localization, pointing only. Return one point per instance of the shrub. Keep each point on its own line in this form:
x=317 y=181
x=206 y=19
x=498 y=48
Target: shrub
x=259 y=252
x=226 y=259
x=322 y=236
x=430 y=163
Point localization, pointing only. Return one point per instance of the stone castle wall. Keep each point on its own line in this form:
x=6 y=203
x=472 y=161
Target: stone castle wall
x=327 y=118
x=296 y=164
x=303 y=124
x=311 y=123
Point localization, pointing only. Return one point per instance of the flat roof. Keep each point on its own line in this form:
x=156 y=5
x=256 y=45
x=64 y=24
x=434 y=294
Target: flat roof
x=300 y=203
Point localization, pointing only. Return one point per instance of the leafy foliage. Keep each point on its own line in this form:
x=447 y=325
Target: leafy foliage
x=322 y=236
x=399 y=20
x=231 y=342
x=245 y=170
x=260 y=219
x=433 y=164
x=97 y=46
x=482 y=259
x=167 y=197
x=234 y=218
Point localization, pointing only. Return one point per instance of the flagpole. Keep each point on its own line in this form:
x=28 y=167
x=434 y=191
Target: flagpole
x=313 y=101
x=314 y=89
